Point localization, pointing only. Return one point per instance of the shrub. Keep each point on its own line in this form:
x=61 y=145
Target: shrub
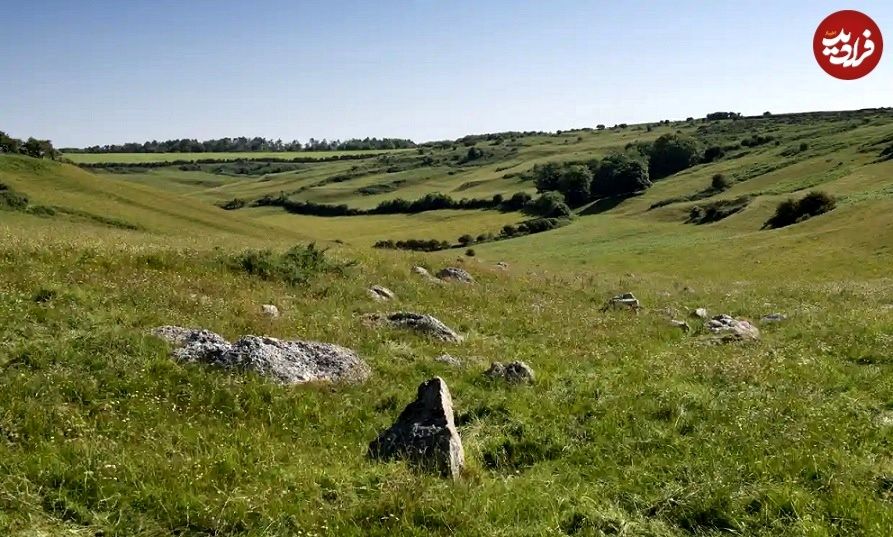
x=550 y=204
x=713 y=152
x=12 y=200
x=233 y=204
x=672 y=153
x=619 y=175
x=804 y=146
x=466 y=239
x=716 y=211
x=793 y=211
x=719 y=182
x=296 y=266
x=470 y=252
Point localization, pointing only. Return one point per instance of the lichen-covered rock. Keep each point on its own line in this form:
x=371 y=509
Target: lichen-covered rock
x=728 y=329
x=455 y=274
x=270 y=311
x=289 y=362
x=513 y=372
x=425 y=433
x=423 y=324
x=381 y=294
x=448 y=359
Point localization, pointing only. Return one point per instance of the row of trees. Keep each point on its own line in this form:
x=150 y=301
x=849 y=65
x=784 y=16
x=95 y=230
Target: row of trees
x=31 y=147
x=243 y=144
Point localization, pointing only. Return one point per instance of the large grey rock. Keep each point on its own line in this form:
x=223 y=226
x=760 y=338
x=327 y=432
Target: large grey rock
x=425 y=433
x=423 y=272
x=381 y=294
x=624 y=301
x=424 y=324
x=455 y=274
x=728 y=329
x=513 y=372
x=288 y=362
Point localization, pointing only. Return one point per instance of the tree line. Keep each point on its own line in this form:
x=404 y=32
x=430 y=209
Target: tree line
x=247 y=145
x=31 y=147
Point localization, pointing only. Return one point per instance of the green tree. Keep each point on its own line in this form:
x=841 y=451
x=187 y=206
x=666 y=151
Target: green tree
x=8 y=144
x=672 y=153
x=619 y=175
x=574 y=184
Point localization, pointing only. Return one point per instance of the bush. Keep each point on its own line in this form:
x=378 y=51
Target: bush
x=233 y=204
x=719 y=182
x=550 y=204
x=12 y=200
x=619 y=175
x=716 y=211
x=713 y=152
x=470 y=252
x=672 y=153
x=296 y=266
x=466 y=239
x=792 y=211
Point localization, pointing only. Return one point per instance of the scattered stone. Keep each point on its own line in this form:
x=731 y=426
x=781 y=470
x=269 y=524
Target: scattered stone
x=425 y=324
x=626 y=300
x=381 y=294
x=513 y=372
x=425 y=433
x=449 y=360
x=455 y=274
x=421 y=271
x=288 y=362
x=502 y=265
x=773 y=318
x=668 y=312
x=700 y=313
x=729 y=329
x=270 y=311
x=682 y=325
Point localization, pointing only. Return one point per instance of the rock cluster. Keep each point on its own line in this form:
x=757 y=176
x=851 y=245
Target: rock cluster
x=455 y=274
x=729 y=329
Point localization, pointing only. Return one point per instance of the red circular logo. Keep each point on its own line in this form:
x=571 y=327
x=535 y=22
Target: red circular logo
x=848 y=45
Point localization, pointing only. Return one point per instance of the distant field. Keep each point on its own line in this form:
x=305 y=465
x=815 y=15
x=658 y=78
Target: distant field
x=129 y=158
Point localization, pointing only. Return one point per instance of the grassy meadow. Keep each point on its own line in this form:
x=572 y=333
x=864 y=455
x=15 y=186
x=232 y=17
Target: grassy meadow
x=632 y=427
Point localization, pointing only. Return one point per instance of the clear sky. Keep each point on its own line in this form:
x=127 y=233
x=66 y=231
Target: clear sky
x=97 y=72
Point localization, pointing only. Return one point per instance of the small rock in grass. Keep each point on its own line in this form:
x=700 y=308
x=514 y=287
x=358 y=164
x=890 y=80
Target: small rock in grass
x=513 y=372
x=270 y=311
x=682 y=325
x=773 y=318
x=381 y=294
x=449 y=360
x=624 y=301
x=424 y=324
x=700 y=313
x=455 y=274
x=729 y=329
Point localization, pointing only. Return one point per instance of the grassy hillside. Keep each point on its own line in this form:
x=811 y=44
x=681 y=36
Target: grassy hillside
x=632 y=427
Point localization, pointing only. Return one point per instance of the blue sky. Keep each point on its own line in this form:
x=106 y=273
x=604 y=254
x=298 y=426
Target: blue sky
x=96 y=72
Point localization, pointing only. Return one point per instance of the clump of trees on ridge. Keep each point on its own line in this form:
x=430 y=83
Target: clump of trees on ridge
x=31 y=147
x=247 y=145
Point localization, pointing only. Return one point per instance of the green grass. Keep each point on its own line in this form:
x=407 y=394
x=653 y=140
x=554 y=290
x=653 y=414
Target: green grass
x=631 y=428
x=128 y=158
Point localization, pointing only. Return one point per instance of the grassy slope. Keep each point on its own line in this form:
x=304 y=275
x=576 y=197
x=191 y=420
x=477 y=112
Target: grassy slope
x=631 y=427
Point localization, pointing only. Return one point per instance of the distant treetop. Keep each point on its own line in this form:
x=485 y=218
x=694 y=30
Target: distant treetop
x=243 y=145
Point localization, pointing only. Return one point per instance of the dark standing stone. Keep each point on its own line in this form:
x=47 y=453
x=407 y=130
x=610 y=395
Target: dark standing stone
x=425 y=434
